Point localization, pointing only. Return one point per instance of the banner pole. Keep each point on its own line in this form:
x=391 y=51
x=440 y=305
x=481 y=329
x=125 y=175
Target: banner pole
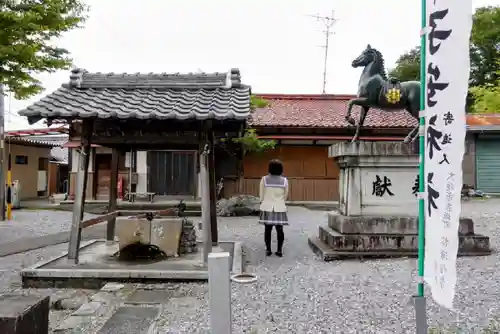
x=419 y=299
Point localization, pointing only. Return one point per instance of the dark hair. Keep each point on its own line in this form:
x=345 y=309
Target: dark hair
x=275 y=167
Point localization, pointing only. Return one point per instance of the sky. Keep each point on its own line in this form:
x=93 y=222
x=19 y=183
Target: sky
x=275 y=44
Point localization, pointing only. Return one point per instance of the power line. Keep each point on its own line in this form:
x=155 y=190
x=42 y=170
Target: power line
x=328 y=21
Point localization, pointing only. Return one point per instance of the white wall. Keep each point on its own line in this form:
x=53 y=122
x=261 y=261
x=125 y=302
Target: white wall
x=142 y=171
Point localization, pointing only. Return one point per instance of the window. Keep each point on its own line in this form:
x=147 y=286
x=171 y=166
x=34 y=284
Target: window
x=21 y=160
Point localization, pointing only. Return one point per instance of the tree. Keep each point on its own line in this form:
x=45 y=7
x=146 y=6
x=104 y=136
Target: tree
x=27 y=32
x=484 y=51
x=407 y=66
x=487 y=97
x=250 y=141
x=485 y=46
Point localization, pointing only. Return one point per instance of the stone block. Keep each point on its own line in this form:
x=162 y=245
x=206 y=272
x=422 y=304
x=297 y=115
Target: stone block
x=363 y=243
x=174 y=236
x=376 y=178
x=24 y=314
x=404 y=225
x=166 y=234
x=130 y=319
x=188 y=238
x=468 y=244
x=88 y=309
x=130 y=230
x=326 y=253
x=370 y=149
x=149 y=297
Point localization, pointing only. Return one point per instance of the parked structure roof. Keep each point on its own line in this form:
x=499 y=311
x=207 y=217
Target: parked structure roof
x=483 y=122
x=322 y=111
x=54 y=138
x=145 y=96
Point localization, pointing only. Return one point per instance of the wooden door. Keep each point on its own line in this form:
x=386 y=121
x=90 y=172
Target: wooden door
x=171 y=173
x=102 y=175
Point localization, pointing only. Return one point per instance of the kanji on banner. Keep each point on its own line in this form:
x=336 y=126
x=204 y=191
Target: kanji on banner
x=449 y=25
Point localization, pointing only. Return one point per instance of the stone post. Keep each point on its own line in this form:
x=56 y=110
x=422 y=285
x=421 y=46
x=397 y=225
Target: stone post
x=219 y=285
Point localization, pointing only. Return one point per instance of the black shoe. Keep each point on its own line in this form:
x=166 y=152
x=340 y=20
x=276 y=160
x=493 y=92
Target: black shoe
x=279 y=254
x=269 y=253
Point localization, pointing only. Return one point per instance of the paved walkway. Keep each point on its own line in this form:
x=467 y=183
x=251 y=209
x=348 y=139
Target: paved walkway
x=300 y=294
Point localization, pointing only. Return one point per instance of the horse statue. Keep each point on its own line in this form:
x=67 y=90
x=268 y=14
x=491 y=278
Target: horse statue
x=375 y=90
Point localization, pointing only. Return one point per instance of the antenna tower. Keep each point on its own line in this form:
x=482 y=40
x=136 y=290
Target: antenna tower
x=328 y=21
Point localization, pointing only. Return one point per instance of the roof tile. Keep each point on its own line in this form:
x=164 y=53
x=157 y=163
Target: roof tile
x=322 y=111
x=146 y=96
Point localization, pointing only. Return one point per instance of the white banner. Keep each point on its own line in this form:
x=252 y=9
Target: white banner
x=449 y=25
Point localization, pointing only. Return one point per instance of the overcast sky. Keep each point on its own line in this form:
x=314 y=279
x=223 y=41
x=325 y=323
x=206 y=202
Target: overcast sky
x=274 y=43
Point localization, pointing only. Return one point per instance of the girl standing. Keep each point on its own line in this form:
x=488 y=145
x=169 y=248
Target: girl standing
x=273 y=193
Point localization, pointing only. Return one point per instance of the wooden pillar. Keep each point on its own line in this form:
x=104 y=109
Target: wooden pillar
x=113 y=195
x=80 y=191
x=87 y=150
x=205 y=196
x=213 y=193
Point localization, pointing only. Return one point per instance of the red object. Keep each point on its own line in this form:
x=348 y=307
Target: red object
x=120 y=187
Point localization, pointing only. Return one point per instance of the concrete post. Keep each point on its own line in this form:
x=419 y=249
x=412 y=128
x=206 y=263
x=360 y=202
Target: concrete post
x=219 y=285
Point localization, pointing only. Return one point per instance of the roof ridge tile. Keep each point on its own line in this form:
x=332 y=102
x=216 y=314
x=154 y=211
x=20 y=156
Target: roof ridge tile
x=82 y=79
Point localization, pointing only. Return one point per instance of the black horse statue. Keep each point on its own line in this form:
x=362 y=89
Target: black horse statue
x=376 y=90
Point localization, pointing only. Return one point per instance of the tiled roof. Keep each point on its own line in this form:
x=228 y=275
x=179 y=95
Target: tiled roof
x=146 y=96
x=322 y=111
x=30 y=141
x=483 y=120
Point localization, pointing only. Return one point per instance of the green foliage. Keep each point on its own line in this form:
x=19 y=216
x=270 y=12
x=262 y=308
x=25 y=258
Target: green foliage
x=27 y=32
x=257 y=102
x=485 y=46
x=407 y=66
x=484 y=51
x=487 y=97
x=251 y=143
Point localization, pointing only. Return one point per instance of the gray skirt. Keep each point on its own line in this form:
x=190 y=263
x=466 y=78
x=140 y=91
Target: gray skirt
x=273 y=218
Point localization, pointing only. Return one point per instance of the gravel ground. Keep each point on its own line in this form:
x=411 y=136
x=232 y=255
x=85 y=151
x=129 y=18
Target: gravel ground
x=31 y=223
x=301 y=294
x=10 y=266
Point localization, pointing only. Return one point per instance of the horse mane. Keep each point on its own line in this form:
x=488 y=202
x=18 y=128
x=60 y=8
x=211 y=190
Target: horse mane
x=381 y=61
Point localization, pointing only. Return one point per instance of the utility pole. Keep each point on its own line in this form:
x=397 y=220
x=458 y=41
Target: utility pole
x=328 y=21
x=2 y=153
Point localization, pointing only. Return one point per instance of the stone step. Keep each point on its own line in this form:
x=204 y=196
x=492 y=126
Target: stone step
x=385 y=225
x=130 y=319
x=390 y=242
x=24 y=313
x=326 y=253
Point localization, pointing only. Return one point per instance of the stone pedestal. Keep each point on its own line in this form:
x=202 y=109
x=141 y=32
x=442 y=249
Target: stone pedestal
x=378 y=205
